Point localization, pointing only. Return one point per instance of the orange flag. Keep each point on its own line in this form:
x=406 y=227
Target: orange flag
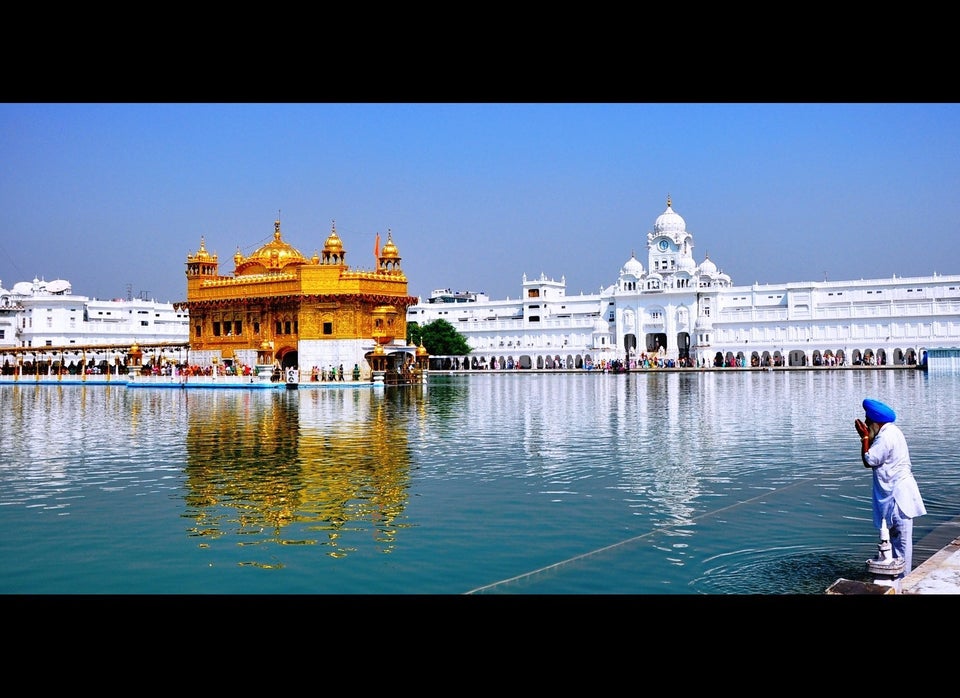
x=376 y=247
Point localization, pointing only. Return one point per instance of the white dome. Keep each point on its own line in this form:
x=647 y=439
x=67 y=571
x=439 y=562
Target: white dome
x=708 y=267
x=632 y=266
x=669 y=223
x=687 y=264
x=59 y=286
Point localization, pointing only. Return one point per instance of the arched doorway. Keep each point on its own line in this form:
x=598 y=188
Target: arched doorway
x=288 y=358
x=655 y=342
x=683 y=345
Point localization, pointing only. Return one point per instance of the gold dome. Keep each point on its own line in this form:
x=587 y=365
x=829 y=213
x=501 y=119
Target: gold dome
x=202 y=255
x=274 y=256
x=333 y=242
x=389 y=249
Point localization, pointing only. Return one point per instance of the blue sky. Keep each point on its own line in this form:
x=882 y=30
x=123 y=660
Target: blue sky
x=112 y=197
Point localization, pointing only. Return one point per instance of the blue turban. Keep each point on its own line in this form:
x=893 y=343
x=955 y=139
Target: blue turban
x=878 y=411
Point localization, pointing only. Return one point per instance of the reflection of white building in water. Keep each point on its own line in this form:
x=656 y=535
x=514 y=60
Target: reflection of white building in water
x=39 y=314
x=680 y=312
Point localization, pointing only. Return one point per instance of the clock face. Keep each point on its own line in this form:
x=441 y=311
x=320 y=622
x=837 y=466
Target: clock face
x=664 y=245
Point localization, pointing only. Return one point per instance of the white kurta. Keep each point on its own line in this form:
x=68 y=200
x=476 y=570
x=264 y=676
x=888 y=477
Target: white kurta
x=893 y=481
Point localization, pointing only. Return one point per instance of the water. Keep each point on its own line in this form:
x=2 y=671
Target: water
x=691 y=483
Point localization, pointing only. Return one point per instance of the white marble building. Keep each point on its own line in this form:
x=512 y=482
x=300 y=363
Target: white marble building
x=680 y=312
x=39 y=314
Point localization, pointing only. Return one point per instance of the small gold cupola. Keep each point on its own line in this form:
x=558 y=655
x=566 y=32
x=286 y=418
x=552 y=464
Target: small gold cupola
x=389 y=257
x=333 y=252
x=202 y=263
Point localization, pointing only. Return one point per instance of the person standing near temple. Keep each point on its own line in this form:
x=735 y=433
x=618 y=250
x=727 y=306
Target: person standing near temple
x=896 y=496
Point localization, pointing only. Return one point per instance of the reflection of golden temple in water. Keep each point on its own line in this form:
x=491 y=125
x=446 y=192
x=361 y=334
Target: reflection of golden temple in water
x=331 y=461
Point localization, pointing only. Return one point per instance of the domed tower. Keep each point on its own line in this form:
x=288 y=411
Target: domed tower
x=707 y=268
x=201 y=266
x=333 y=252
x=202 y=263
x=669 y=246
x=631 y=274
x=388 y=259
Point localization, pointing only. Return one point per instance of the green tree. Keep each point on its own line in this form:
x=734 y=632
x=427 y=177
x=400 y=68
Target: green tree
x=439 y=338
x=413 y=333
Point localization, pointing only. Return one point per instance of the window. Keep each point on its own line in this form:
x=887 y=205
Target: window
x=144 y=323
x=216 y=329
x=328 y=328
x=197 y=331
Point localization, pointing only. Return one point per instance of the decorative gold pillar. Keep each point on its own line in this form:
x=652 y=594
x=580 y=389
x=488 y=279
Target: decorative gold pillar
x=134 y=358
x=423 y=361
x=378 y=361
x=264 y=367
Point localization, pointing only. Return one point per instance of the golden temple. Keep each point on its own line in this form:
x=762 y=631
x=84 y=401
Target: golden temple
x=280 y=307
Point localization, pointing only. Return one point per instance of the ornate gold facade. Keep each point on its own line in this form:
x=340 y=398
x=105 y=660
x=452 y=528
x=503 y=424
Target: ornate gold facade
x=279 y=297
